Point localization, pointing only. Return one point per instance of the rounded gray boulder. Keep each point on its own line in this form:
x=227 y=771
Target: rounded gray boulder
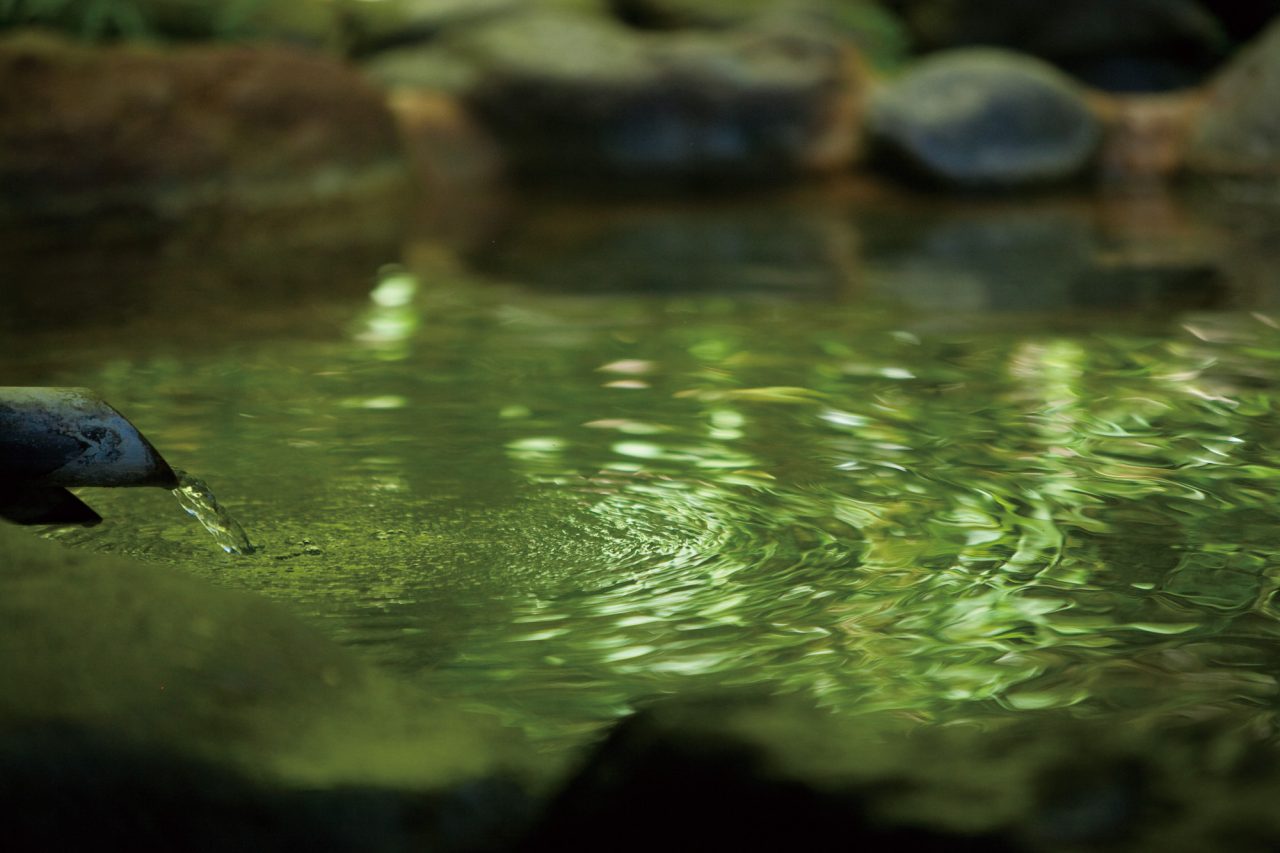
x=984 y=118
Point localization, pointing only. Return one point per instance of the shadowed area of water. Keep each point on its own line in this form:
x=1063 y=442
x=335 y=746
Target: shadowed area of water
x=553 y=499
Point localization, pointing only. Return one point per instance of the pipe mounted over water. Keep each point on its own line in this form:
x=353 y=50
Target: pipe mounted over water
x=52 y=439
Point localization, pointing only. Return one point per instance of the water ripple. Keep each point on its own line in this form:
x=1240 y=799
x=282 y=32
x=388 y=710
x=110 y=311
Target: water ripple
x=554 y=515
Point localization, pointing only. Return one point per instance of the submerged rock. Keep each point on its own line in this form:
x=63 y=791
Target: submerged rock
x=85 y=128
x=983 y=118
x=771 y=775
x=1239 y=130
x=163 y=705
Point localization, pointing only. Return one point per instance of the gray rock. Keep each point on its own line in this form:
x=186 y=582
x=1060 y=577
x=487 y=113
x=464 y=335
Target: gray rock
x=1238 y=132
x=574 y=96
x=980 y=118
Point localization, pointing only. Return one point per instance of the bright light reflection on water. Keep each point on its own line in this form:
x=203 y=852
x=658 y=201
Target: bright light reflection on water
x=554 y=507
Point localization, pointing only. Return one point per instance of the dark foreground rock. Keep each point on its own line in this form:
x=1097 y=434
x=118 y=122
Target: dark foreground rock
x=143 y=709
x=981 y=118
x=86 y=128
x=1239 y=129
x=759 y=775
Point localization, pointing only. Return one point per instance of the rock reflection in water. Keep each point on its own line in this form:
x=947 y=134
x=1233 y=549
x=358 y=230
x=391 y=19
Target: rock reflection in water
x=1118 y=252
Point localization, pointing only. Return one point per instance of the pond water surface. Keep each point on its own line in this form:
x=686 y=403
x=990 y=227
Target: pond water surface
x=959 y=463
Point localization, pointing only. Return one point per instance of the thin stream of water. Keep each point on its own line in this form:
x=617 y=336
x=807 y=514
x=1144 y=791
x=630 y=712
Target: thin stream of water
x=198 y=500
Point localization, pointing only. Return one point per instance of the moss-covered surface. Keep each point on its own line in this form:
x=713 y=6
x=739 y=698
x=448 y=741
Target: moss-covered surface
x=210 y=699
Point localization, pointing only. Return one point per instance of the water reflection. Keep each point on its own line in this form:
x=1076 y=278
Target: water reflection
x=553 y=504
x=1148 y=251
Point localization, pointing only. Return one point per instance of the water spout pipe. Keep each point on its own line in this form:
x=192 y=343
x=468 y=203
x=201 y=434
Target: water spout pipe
x=55 y=438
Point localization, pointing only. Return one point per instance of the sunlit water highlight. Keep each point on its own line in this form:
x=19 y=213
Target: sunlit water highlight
x=556 y=507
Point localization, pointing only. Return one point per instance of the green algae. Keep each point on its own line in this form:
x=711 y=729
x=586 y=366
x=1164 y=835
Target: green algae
x=141 y=657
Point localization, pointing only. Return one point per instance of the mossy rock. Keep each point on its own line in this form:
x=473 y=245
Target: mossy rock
x=146 y=656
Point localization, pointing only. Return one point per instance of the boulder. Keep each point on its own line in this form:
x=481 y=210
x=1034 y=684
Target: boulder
x=984 y=118
x=569 y=96
x=169 y=714
x=1238 y=132
x=730 y=773
x=1133 y=45
x=84 y=128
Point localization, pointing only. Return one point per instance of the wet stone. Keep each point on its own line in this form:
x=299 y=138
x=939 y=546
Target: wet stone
x=574 y=96
x=983 y=118
x=86 y=128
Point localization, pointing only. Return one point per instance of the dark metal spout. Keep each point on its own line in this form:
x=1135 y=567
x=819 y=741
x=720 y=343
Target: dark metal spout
x=55 y=438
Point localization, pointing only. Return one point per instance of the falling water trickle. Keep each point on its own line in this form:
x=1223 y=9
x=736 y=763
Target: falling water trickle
x=198 y=500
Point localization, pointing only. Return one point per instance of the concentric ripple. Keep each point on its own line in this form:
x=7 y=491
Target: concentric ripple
x=555 y=508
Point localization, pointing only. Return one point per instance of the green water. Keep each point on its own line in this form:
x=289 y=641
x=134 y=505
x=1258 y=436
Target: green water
x=556 y=502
